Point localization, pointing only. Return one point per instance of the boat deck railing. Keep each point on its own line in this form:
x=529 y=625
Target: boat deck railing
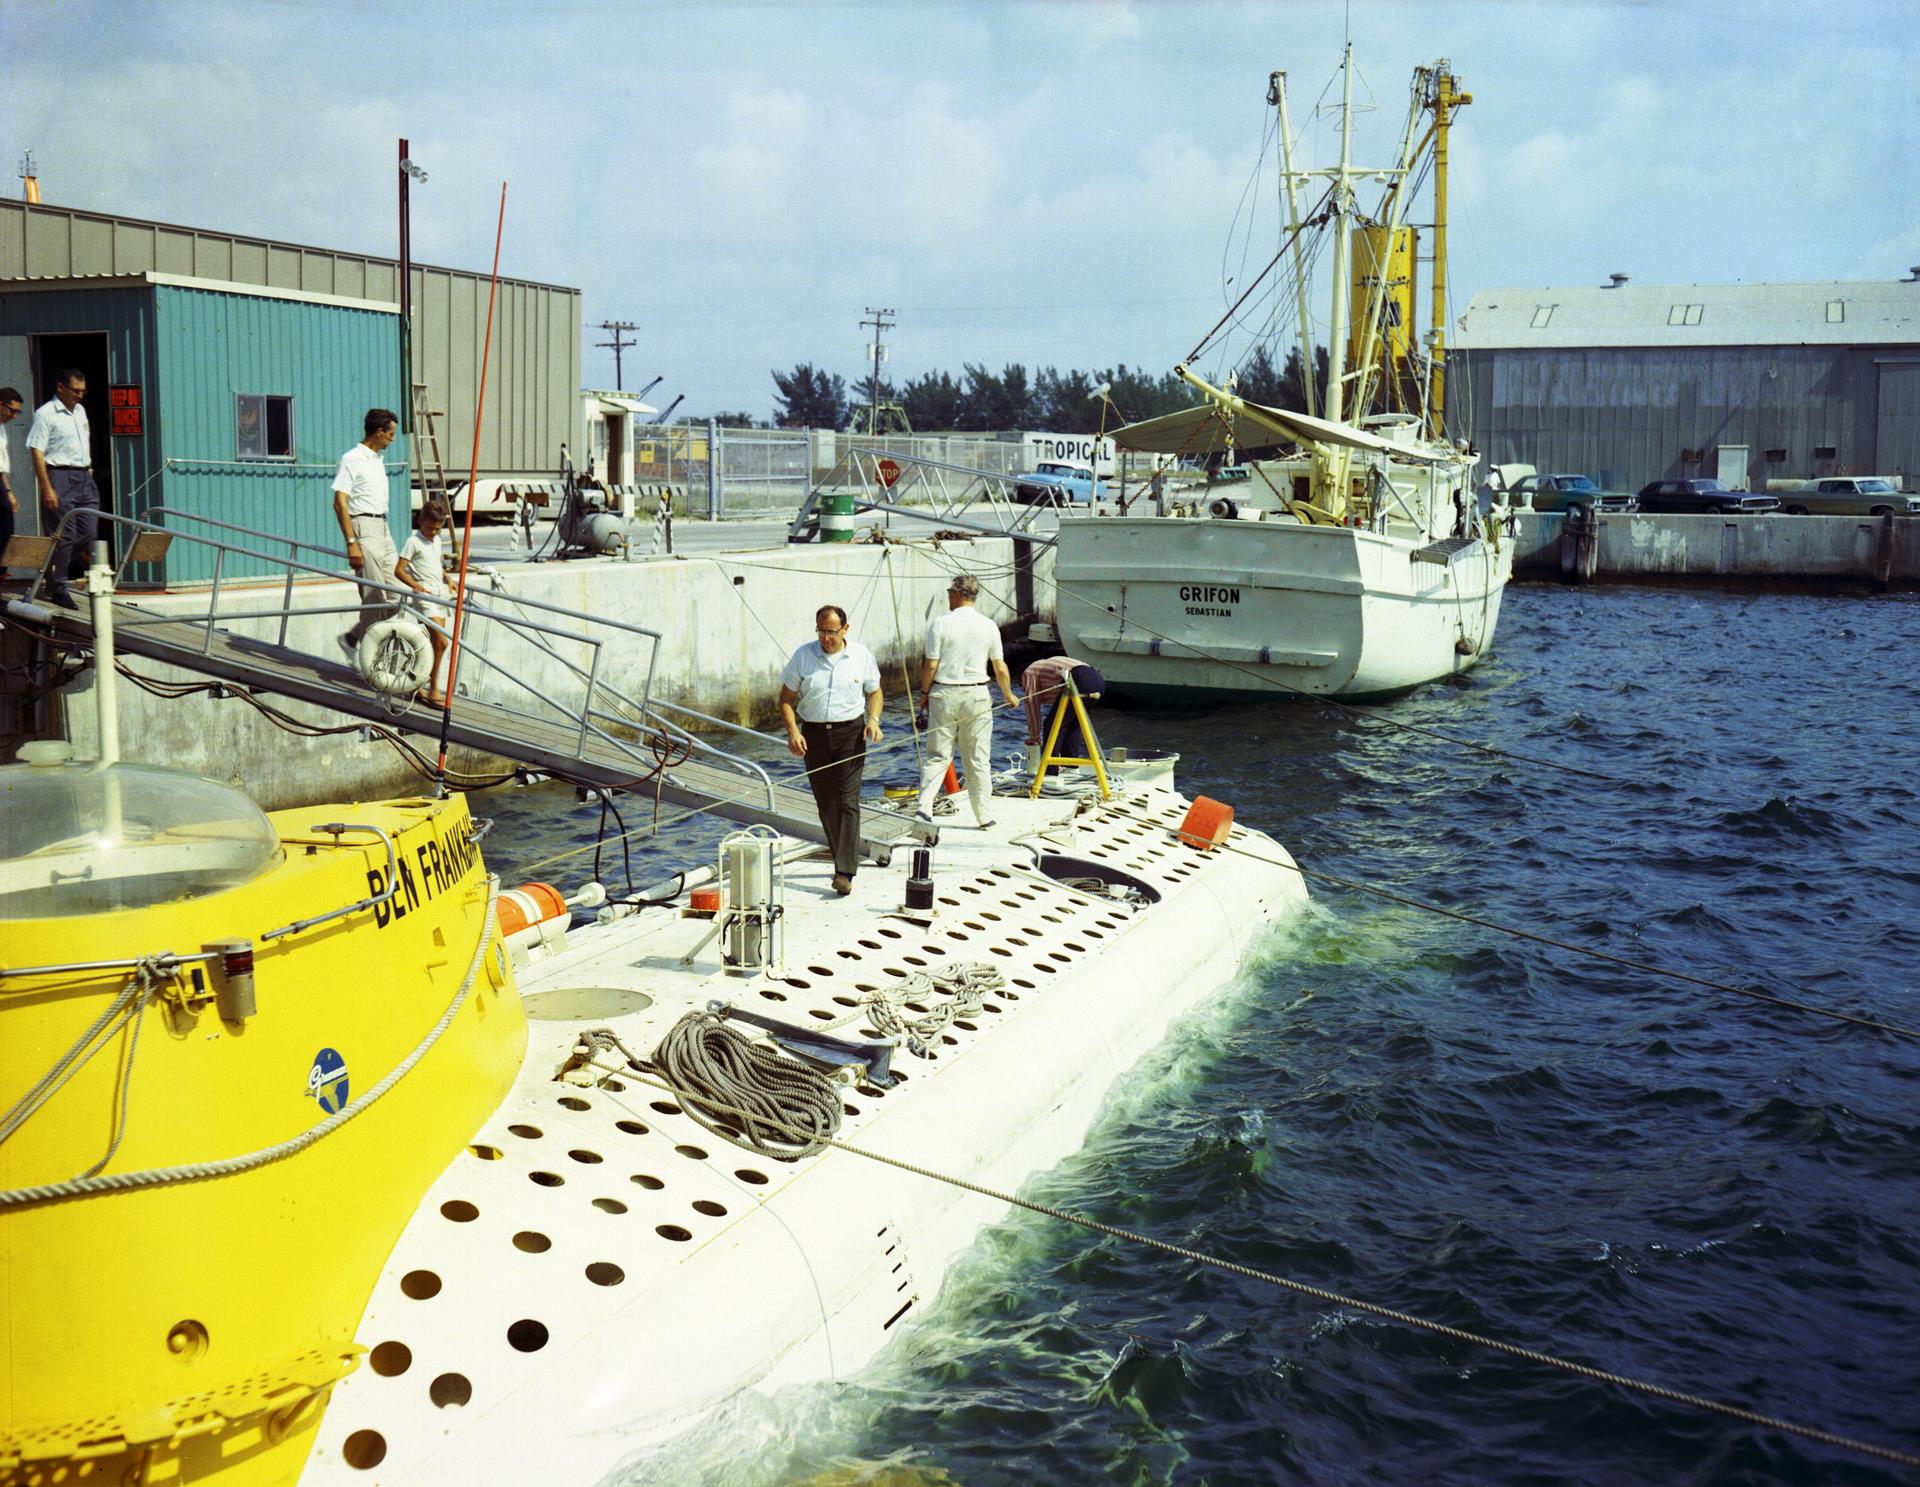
x=561 y=690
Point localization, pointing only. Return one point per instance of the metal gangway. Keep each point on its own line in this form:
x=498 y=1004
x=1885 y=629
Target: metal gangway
x=542 y=692
x=952 y=497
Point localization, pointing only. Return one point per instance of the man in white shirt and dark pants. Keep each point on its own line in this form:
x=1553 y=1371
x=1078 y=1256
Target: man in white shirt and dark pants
x=61 y=446
x=833 y=684
x=962 y=646
x=360 y=490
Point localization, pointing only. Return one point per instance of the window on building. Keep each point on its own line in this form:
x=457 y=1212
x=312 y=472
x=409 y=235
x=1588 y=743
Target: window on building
x=262 y=427
x=1686 y=314
x=1541 y=315
x=1776 y=456
x=1826 y=452
x=1836 y=311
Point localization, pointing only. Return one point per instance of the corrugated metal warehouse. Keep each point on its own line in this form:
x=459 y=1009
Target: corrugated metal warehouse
x=216 y=400
x=533 y=386
x=1746 y=382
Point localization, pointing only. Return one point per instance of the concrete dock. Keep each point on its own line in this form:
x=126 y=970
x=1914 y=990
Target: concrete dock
x=1759 y=551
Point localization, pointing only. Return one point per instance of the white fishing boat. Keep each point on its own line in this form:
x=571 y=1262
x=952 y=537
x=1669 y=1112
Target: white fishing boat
x=1354 y=565
x=324 y=1159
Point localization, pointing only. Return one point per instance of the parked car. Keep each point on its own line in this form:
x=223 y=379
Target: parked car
x=1848 y=495
x=1707 y=497
x=1568 y=493
x=1052 y=484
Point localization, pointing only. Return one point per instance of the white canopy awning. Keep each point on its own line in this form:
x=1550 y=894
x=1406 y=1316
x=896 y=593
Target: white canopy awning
x=614 y=403
x=1205 y=430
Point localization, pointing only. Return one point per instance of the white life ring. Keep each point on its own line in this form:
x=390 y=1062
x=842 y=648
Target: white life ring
x=395 y=657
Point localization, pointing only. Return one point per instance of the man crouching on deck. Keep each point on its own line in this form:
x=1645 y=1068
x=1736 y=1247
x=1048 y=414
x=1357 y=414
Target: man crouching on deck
x=834 y=684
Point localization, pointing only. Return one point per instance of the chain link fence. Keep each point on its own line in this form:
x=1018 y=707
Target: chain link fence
x=757 y=474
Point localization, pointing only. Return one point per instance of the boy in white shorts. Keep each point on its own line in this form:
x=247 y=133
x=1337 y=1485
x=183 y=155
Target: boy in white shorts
x=423 y=568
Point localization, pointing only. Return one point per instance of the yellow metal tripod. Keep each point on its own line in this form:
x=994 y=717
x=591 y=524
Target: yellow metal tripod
x=1096 y=756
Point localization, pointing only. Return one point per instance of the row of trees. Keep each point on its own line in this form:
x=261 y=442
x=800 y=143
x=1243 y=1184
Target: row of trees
x=1063 y=402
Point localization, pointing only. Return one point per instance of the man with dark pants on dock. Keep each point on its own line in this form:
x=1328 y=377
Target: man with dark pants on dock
x=61 y=446
x=833 y=683
x=360 y=492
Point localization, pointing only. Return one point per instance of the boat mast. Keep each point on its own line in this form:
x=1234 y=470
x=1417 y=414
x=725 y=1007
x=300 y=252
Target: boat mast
x=1342 y=248
x=1442 y=99
x=1277 y=96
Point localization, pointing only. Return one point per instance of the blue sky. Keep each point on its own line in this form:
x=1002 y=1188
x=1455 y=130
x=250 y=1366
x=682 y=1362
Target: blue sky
x=1045 y=184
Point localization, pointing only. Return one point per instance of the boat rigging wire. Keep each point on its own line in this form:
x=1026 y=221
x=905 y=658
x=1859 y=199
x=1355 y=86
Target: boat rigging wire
x=1305 y=222
x=1681 y=1397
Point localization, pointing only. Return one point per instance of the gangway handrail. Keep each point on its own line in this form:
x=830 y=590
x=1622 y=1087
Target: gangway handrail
x=583 y=715
x=334 y=575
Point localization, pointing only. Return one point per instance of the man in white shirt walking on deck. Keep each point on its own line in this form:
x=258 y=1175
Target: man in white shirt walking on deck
x=962 y=645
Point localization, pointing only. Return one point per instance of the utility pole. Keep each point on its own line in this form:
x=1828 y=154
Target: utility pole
x=618 y=329
x=881 y=325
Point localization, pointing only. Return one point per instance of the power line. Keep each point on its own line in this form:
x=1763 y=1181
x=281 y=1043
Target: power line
x=618 y=328
x=881 y=324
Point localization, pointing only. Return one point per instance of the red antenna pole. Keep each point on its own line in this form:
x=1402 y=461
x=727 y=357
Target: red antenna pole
x=473 y=476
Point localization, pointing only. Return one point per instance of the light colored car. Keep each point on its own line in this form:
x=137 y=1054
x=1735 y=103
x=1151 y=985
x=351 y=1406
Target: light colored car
x=1847 y=495
x=1051 y=483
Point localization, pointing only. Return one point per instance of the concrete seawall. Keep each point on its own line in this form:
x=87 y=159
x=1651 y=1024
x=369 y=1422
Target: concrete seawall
x=728 y=624
x=1755 y=550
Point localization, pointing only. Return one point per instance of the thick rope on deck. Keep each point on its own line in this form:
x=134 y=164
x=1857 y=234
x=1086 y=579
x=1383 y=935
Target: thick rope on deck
x=747 y=1092
x=965 y=986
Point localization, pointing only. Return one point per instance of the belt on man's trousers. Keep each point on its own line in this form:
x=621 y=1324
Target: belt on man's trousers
x=69 y=467
x=960 y=684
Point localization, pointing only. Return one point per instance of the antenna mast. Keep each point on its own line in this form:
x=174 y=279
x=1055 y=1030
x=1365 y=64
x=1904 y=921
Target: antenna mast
x=1277 y=96
x=1442 y=99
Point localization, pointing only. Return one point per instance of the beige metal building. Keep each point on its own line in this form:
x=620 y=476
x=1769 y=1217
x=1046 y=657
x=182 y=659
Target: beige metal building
x=1744 y=382
x=533 y=386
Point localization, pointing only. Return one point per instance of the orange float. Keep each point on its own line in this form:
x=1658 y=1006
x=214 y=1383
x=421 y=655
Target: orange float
x=529 y=904
x=1208 y=823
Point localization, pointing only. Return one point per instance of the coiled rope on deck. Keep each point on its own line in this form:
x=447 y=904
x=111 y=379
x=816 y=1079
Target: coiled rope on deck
x=965 y=986
x=747 y=1092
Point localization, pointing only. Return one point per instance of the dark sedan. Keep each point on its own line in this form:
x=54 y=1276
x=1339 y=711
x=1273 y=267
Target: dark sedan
x=1705 y=497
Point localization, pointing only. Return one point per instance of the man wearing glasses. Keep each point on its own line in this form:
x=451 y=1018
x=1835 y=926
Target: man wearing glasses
x=61 y=446
x=833 y=684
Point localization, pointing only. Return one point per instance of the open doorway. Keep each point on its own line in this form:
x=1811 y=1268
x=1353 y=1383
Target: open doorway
x=616 y=473
x=86 y=353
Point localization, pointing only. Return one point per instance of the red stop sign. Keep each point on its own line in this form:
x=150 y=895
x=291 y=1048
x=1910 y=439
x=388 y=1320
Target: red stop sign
x=888 y=470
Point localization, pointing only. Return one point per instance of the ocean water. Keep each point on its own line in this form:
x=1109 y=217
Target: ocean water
x=1659 y=1179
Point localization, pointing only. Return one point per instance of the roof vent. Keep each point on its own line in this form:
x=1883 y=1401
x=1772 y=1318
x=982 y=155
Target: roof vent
x=1618 y=280
x=1913 y=274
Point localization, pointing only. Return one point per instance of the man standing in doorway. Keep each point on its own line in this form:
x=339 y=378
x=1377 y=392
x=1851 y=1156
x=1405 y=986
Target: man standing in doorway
x=961 y=647
x=834 y=685
x=10 y=405
x=360 y=491
x=61 y=446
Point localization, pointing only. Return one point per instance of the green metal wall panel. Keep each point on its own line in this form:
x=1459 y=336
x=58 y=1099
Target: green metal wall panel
x=333 y=362
x=125 y=317
x=533 y=382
